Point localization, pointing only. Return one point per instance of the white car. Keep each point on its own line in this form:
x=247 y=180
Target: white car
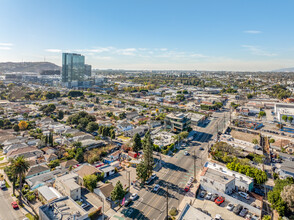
x=134 y=196
x=156 y=188
x=230 y=207
x=186 y=153
x=208 y=196
x=153 y=176
x=218 y=217
x=244 y=195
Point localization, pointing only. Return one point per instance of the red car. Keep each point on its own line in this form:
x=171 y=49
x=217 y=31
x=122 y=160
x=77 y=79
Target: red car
x=14 y=205
x=187 y=188
x=219 y=200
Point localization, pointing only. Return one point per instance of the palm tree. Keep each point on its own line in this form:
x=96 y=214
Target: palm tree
x=20 y=166
x=11 y=160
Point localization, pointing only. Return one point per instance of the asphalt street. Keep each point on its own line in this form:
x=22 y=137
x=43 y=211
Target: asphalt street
x=6 y=210
x=175 y=174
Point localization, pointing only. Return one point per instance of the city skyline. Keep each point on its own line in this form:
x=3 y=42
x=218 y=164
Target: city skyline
x=189 y=35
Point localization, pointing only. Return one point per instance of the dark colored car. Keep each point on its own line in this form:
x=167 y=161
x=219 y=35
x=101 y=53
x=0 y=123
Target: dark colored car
x=258 y=191
x=237 y=209
x=219 y=200
x=127 y=202
x=214 y=197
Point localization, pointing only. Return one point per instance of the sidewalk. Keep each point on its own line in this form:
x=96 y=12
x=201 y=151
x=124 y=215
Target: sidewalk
x=25 y=209
x=190 y=196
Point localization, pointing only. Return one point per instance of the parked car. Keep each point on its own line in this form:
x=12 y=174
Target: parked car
x=151 y=178
x=156 y=188
x=218 y=217
x=201 y=148
x=244 y=195
x=186 y=153
x=208 y=196
x=258 y=191
x=248 y=216
x=237 y=209
x=14 y=205
x=187 y=188
x=127 y=202
x=230 y=207
x=243 y=212
x=202 y=194
x=219 y=200
x=134 y=196
x=254 y=217
x=214 y=197
x=2 y=184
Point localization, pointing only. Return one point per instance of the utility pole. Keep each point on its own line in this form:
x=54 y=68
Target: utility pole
x=194 y=164
x=129 y=175
x=167 y=201
x=224 y=120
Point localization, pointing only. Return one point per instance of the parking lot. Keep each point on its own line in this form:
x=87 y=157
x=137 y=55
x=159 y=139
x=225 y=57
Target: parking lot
x=213 y=209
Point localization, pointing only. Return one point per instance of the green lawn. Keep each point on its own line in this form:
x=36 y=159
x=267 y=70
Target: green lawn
x=30 y=216
x=1 y=158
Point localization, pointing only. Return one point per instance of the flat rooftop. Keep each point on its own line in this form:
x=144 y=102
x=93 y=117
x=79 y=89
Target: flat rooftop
x=224 y=170
x=217 y=176
x=191 y=213
x=63 y=208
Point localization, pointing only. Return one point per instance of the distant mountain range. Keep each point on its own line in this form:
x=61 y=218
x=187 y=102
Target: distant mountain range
x=37 y=67
x=285 y=70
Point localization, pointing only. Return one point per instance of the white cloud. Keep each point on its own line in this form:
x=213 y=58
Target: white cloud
x=258 y=51
x=5 y=48
x=6 y=44
x=252 y=32
x=53 y=50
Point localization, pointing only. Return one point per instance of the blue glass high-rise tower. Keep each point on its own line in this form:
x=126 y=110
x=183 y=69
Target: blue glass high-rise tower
x=73 y=68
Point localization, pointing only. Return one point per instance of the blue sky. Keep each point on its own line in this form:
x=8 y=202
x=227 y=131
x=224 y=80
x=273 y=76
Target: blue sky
x=151 y=34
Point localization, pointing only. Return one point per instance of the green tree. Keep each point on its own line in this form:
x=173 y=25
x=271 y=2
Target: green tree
x=272 y=140
x=54 y=163
x=261 y=114
x=118 y=192
x=79 y=155
x=90 y=182
x=16 y=128
x=20 y=167
x=148 y=153
x=137 y=143
x=77 y=144
x=274 y=196
x=255 y=141
x=141 y=171
x=92 y=126
x=285 y=118
x=266 y=217
x=290 y=119
x=112 y=134
x=60 y=114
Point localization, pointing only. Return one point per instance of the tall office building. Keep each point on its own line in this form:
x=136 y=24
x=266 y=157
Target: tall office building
x=88 y=70
x=73 y=68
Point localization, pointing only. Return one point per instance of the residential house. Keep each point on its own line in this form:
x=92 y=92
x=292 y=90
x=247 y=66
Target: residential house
x=104 y=191
x=85 y=170
x=124 y=126
x=37 y=170
x=67 y=185
x=68 y=164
